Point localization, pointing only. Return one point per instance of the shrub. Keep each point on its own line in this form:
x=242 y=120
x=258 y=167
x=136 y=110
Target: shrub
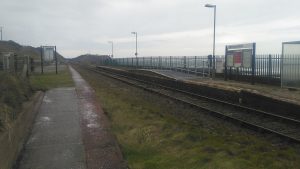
x=14 y=90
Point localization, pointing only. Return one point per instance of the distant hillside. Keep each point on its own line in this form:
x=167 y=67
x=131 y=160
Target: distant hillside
x=91 y=59
x=11 y=46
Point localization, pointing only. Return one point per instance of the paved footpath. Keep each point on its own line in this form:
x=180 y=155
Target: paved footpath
x=71 y=132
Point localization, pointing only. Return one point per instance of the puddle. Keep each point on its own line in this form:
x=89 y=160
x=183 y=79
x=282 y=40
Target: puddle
x=47 y=100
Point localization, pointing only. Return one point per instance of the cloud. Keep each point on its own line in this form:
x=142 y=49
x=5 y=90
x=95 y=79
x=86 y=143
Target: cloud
x=165 y=27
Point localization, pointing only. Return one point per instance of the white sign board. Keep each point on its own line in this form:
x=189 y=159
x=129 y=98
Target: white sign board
x=247 y=58
x=48 y=53
x=219 y=65
x=230 y=60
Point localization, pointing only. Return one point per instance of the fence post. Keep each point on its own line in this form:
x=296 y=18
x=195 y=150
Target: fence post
x=15 y=63
x=225 y=67
x=42 y=62
x=171 y=63
x=55 y=54
x=184 y=62
x=3 y=62
x=203 y=65
x=253 y=63
x=188 y=65
x=196 y=65
x=28 y=65
x=159 y=62
x=270 y=66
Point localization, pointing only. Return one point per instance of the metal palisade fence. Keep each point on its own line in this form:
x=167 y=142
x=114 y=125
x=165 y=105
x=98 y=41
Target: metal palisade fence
x=267 y=67
x=12 y=63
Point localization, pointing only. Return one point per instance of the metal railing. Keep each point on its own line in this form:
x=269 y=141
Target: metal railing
x=267 y=67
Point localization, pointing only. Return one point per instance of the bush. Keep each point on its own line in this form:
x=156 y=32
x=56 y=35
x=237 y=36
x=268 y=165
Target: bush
x=14 y=90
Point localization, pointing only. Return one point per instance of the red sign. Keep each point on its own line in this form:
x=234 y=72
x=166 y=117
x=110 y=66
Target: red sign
x=237 y=59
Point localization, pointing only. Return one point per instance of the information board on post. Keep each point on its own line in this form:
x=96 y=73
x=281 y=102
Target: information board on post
x=48 y=56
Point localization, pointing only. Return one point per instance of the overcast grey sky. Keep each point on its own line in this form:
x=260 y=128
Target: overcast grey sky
x=165 y=27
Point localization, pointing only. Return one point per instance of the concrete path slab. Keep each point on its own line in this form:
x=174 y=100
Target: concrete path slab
x=55 y=141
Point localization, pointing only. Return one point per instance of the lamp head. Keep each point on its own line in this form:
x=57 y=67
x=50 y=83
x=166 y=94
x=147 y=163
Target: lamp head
x=210 y=6
x=133 y=33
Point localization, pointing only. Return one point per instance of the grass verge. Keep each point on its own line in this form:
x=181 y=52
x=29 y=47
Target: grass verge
x=51 y=80
x=155 y=132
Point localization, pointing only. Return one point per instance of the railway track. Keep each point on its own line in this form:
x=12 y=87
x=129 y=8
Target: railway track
x=264 y=122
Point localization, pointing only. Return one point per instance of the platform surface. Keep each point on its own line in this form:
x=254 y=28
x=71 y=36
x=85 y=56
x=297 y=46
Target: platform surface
x=71 y=131
x=271 y=91
x=55 y=141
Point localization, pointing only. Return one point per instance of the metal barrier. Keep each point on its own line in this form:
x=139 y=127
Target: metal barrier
x=190 y=64
x=267 y=67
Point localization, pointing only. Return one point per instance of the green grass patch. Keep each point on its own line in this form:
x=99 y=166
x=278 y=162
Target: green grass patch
x=51 y=80
x=152 y=137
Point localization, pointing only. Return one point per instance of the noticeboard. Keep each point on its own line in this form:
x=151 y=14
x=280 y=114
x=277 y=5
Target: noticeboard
x=240 y=56
x=48 y=53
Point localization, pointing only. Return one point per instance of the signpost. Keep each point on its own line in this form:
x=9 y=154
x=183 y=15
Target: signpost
x=48 y=54
x=240 y=56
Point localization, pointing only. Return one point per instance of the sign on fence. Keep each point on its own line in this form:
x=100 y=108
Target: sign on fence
x=240 y=56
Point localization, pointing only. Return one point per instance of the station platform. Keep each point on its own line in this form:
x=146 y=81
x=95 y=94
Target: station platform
x=268 y=91
x=275 y=92
x=71 y=131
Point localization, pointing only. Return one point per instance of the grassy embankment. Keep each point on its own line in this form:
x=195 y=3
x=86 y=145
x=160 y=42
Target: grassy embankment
x=15 y=90
x=152 y=136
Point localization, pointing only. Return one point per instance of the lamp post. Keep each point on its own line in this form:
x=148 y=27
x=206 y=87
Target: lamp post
x=214 y=41
x=136 y=54
x=1 y=32
x=112 y=48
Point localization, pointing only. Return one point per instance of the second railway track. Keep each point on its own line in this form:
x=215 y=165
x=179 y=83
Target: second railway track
x=265 y=122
